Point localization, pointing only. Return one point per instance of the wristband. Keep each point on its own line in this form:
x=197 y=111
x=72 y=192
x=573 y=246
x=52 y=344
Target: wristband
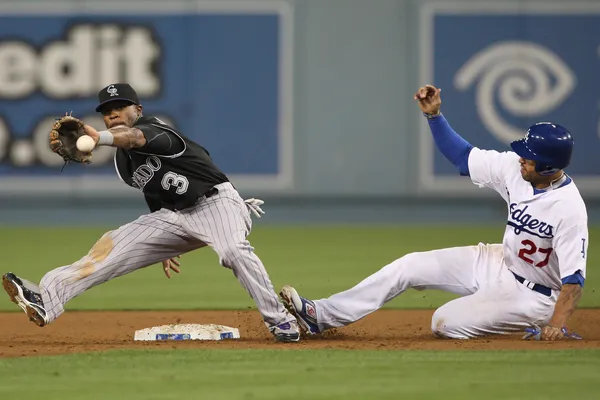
x=106 y=138
x=432 y=116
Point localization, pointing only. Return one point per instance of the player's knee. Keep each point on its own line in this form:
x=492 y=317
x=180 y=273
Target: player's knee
x=446 y=327
x=230 y=253
x=406 y=269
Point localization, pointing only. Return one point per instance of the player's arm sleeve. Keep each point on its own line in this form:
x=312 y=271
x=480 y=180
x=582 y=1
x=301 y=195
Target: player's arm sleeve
x=571 y=247
x=160 y=142
x=488 y=168
x=451 y=144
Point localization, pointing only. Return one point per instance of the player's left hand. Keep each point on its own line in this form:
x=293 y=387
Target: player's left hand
x=171 y=264
x=550 y=333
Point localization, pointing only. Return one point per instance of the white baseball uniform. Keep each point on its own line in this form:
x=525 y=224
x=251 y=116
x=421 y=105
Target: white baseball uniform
x=504 y=287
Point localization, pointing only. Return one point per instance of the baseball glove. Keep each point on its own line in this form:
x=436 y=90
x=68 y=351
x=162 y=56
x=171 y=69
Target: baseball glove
x=63 y=140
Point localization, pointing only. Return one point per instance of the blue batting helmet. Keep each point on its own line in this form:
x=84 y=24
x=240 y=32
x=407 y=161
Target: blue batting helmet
x=549 y=145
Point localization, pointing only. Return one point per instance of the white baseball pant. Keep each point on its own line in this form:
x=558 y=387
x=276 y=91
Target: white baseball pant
x=492 y=302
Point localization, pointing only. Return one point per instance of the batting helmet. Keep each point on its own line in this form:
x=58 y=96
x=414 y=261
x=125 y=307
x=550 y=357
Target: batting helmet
x=549 y=145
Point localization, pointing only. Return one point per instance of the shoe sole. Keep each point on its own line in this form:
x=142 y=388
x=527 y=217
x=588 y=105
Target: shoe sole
x=15 y=293
x=286 y=297
x=287 y=339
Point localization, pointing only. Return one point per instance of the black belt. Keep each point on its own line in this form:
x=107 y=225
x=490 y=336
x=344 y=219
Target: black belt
x=182 y=206
x=545 y=290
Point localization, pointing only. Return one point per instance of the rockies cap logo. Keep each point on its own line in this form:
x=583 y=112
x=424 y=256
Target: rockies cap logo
x=112 y=90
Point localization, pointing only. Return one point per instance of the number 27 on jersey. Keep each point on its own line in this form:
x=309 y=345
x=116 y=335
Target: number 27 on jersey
x=528 y=252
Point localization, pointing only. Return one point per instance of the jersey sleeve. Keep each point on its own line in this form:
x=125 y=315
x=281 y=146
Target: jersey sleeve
x=160 y=141
x=489 y=168
x=571 y=247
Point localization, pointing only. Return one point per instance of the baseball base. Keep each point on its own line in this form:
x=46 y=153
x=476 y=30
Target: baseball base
x=187 y=332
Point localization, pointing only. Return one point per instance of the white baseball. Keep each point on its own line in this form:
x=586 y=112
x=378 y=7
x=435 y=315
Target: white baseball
x=86 y=143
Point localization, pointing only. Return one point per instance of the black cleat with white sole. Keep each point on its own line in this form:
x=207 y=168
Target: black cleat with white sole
x=26 y=298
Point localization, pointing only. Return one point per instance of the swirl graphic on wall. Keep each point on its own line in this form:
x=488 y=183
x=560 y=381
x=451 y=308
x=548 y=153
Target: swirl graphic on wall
x=528 y=80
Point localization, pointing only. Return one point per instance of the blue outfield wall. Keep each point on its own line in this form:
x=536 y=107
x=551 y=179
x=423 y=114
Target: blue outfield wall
x=294 y=102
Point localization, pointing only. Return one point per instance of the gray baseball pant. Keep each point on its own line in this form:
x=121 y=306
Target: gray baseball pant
x=221 y=221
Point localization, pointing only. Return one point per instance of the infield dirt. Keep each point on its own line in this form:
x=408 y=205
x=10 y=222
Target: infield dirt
x=76 y=332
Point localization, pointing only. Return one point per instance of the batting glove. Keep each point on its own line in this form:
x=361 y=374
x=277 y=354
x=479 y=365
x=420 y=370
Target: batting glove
x=254 y=206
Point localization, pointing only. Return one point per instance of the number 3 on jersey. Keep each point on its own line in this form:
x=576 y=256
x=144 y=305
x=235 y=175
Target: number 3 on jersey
x=172 y=179
x=530 y=249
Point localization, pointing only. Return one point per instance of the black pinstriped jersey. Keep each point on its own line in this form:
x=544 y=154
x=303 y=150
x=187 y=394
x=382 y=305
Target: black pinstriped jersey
x=173 y=176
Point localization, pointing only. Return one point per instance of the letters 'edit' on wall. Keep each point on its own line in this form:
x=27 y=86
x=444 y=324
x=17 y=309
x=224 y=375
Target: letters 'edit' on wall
x=221 y=73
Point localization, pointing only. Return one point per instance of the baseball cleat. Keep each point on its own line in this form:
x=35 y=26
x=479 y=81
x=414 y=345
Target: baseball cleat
x=287 y=332
x=24 y=295
x=303 y=309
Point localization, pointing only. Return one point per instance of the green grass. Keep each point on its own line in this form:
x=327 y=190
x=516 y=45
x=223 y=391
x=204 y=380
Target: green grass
x=273 y=374
x=318 y=260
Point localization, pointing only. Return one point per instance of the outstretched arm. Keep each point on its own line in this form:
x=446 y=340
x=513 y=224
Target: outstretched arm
x=451 y=144
x=119 y=136
x=149 y=139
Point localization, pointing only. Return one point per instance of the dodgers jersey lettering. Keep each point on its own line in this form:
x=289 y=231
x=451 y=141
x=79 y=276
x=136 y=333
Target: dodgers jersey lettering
x=172 y=181
x=546 y=236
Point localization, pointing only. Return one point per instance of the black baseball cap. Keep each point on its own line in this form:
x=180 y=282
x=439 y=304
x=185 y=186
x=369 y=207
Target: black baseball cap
x=117 y=91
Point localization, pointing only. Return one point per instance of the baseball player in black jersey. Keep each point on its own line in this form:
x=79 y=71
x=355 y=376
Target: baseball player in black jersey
x=192 y=204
